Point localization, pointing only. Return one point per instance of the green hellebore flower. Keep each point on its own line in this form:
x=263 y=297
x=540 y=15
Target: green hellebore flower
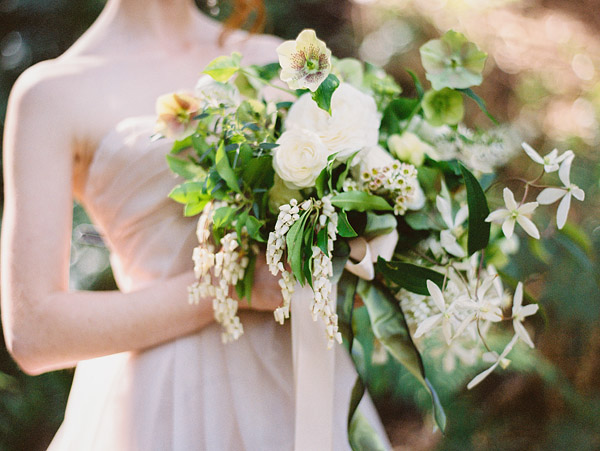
x=348 y=70
x=443 y=107
x=452 y=62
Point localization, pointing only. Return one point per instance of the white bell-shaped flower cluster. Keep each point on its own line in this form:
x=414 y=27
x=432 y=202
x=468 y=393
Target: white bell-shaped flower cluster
x=322 y=305
x=217 y=274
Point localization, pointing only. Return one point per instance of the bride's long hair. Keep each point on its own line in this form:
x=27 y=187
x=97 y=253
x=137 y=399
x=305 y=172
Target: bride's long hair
x=244 y=11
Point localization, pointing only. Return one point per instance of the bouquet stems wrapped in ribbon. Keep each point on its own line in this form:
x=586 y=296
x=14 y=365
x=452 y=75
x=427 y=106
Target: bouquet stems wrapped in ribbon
x=352 y=190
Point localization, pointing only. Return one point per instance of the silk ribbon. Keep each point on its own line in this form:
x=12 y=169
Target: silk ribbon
x=314 y=364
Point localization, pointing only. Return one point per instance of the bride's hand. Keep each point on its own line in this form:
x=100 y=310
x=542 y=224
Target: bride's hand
x=266 y=293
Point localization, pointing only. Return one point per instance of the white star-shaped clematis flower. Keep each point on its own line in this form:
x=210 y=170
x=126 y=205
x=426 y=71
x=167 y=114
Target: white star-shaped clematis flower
x=550 y=161
x=484 y=306
x=305 y=62
x=444 y=316
x=447 y=237
x=551 y=195
x=519 y=313
x=514 y=213
x=497 y=359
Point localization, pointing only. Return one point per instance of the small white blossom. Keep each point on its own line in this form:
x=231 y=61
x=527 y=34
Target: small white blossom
x=519 y=313
x=444 y=317
x=447 y=237
x=550 y=161
x=498 y=360
x=514 y=213
x=551 y=195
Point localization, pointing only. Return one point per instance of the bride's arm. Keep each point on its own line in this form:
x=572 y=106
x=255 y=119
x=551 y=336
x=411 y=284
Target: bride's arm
x=47 y=327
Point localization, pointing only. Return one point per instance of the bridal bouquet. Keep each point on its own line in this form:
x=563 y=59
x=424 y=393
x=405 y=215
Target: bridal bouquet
x=340 y=180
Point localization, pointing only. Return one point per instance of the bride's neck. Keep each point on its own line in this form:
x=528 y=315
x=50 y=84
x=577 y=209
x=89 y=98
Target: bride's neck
x=166 y=24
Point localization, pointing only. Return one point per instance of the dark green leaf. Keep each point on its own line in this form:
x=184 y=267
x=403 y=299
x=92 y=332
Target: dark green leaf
x=322 y=239
x=360 y=201
x=479 y=229
x=390 y=328
x=361 y=435
x=342 y=177
x=253 y=226
x=224 y=169
x=410 y=277
x=322 y=96
x=418 y=85
x=258 y=172
x=240 y=222
x=419 y=220
x=268 y=146
x=398 y=110
x=321 y=182
x=379 y=224
x=249 y=278
x=341 y=253
x=344 y=228
x=294 y=240
x=469 y=92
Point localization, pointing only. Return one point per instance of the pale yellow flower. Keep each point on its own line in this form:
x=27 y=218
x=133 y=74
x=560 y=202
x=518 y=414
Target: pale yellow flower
x=175 y=115
x=305 y=62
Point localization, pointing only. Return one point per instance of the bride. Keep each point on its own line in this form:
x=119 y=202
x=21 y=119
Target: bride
x=152 y=373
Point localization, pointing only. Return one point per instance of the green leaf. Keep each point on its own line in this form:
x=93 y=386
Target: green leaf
x=341 y=253
x=195 y=208
x=344 y=228
x=249 y=278
x=258 y=172
x=240 y=222
x=185 y=168
x=469 y=92
x=346 y=289
x=294 y=240
x=322 y=239
x=189 y=192
x=224 y=169
x=417 y=82
x=419 y=220
x=361 y=434
x=224 y=67
x=479 y=229
x=321 y=182
x=398 y=110
x=253 y=226
x=223 y=216
x=183 y=144
x=360 y=201
x=410 y=277
x=379 y=224
x=322 y=96
x=342 y=177
x=390 y=328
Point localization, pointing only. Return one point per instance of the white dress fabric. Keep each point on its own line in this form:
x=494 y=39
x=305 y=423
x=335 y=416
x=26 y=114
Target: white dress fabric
x=192 y=393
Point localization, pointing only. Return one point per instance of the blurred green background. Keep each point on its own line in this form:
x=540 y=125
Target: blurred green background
x=543 y=77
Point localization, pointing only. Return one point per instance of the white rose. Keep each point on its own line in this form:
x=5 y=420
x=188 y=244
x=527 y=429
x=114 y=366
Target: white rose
x=353 y=124
x=299 y=158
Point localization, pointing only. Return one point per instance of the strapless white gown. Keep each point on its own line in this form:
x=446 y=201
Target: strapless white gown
x=192 y=393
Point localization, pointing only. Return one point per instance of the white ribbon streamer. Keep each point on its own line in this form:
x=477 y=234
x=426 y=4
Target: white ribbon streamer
x=366 y=253
x=314 y=364
x=313 y=376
